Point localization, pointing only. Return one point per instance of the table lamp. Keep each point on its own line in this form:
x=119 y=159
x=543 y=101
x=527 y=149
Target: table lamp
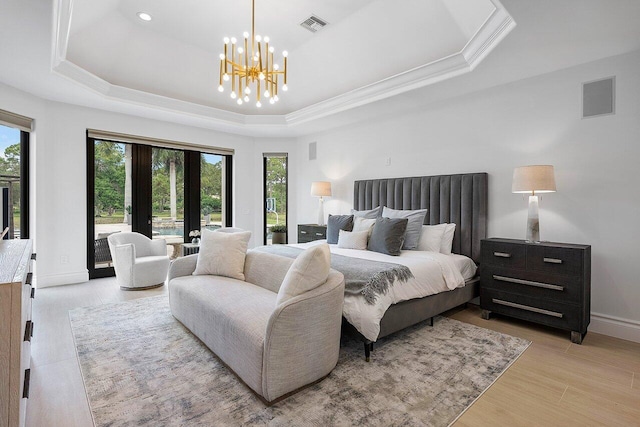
x=321 y=189
x=533 y=179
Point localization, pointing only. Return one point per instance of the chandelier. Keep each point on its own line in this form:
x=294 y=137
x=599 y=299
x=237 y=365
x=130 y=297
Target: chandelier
x=251 y=68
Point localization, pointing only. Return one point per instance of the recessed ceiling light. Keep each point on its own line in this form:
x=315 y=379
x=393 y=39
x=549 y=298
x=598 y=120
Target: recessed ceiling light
x=144 y=16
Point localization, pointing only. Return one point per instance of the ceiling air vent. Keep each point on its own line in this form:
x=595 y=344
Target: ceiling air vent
x=313 y=23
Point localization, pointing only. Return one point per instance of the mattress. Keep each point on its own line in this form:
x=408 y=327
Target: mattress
x=433 y=273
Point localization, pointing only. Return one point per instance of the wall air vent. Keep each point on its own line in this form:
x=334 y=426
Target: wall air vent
x=313 y=23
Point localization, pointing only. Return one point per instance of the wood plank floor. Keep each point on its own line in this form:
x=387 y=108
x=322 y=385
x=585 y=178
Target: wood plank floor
x=554 y=383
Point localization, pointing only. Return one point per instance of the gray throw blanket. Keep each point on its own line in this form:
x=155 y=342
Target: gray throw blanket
x=361 y=276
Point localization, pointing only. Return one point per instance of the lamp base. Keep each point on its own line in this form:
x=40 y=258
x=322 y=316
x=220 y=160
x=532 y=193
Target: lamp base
x=533 y=221
x=321 y=212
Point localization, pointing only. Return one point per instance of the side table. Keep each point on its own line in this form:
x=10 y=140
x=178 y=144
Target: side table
x=190 y=249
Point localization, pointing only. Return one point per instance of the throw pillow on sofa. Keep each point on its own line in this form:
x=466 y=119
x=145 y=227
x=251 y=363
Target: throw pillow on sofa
x=222 y=254
x=308 y=271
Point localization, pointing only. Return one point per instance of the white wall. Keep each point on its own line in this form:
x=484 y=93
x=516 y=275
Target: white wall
x=533 y=121
x=59 y=164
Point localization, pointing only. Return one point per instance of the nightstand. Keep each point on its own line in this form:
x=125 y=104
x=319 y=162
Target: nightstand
x=190 y=248
x=311 y=232
x=547 y=283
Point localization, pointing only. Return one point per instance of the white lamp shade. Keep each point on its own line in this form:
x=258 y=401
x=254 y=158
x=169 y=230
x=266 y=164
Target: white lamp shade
x=321 y=188
x=533 y=179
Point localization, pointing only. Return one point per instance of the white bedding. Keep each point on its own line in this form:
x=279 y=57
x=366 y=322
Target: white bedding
x=433 y=273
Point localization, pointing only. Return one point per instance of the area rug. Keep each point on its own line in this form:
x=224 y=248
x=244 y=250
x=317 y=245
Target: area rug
x=141 y=367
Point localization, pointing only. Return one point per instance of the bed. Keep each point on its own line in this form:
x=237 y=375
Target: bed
x=459 y=199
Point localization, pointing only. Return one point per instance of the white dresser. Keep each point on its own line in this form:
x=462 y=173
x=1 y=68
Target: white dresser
x=16 y=330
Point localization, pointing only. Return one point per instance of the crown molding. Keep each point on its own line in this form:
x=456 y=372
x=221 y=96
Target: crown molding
x=493 y=30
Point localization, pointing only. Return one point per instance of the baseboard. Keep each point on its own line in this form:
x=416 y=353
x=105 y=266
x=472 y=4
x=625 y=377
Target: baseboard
x=615 y=326
x=47 y=280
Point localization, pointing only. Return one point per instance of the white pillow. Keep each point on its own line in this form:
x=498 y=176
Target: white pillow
x=353 y=239
x=431 y=237
x=222 y=254
x=363 y=224
x=447 y=239
x=308 y=271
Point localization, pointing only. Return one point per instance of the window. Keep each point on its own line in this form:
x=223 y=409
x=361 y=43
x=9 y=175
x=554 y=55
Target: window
x=14 y=181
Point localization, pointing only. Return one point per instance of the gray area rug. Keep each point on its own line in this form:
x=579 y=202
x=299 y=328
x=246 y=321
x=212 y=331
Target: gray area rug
x=141 y=367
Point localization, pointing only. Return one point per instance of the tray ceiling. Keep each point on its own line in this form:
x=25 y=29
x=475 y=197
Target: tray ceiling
x=369 y=50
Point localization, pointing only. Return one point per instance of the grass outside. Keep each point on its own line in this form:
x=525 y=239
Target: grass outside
x=271 y=219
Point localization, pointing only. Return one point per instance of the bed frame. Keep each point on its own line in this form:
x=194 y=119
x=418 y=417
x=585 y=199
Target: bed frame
x=460 y=199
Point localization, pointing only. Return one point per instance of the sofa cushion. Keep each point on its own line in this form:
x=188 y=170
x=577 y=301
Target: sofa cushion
x=229 y=316
x=222 y=254
x=266 y=270
x=308 y=271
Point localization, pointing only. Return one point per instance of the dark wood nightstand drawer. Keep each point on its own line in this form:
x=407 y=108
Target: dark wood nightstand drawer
x=554 y=260
x=533 y=283
x=311 y=232
x=545 y=312
x=536 y=281
x=503 y=254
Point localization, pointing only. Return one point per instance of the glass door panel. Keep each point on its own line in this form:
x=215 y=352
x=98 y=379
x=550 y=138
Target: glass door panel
x=10 y=181
x=212 y=191
x=275 y=193
x=112 y=201
x=167 y=197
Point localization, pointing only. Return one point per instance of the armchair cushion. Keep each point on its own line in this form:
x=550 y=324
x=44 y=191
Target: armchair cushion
x=222 y=254
x=308 y=271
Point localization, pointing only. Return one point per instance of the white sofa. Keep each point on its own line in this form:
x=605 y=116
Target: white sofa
x=140 y=262
x=275 y=349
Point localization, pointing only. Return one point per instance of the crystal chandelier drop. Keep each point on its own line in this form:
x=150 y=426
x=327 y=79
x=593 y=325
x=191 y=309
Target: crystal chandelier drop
x=251 y=68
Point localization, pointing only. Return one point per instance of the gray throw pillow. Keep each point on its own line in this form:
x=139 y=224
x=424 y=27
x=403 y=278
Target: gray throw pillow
x=387 y=236
x=414 y=227
x=371 y=214
x=337 y=223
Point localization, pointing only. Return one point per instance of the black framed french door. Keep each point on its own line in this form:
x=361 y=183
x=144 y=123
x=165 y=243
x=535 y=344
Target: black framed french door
x=275 y=189
x=153 y=190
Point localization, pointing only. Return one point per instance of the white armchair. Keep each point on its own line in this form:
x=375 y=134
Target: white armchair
x=140 y=262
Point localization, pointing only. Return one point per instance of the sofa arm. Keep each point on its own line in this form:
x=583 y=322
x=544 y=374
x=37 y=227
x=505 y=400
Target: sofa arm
x=302 y=341
x=183 y=266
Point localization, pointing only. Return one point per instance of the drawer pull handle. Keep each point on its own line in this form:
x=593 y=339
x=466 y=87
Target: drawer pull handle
x=552 y=260
x=502 y=255
x=318 y=234
x=528 y=308
x=28 y=331
x=26 y=384
x=303 y=232
x=529 y=283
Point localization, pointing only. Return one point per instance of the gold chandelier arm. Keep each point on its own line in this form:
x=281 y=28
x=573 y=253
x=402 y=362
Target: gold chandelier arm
x=235 y=65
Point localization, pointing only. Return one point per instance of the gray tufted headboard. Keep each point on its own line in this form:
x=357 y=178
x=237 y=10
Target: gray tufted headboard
x=461 y=199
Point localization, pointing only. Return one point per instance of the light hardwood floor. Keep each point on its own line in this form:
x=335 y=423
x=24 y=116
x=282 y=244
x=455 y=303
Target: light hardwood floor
x=554 y=383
